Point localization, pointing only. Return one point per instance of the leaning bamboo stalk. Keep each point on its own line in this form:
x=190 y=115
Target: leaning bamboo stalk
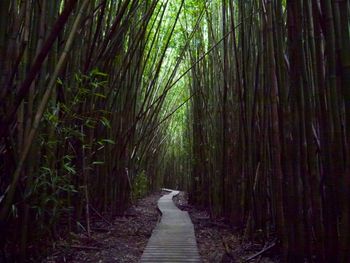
x=11 y=190
x=35 y=68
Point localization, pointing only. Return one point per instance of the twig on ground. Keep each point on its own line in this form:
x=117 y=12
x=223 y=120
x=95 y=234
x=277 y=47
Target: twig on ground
x=100 y=216
x=265 y=249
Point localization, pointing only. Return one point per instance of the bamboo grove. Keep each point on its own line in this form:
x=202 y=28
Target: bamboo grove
x=270 y=122
x=83 y=97
x=245 y=104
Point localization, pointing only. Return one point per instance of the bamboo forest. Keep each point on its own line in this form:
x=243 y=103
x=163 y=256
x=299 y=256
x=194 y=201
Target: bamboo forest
x=241 y=106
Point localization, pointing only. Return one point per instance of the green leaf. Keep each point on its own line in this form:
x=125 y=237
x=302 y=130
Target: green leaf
x=98 y=162
x=97 y=72
x=100 y=95
x=108 y=141
x=69 y=168
x=105 y=122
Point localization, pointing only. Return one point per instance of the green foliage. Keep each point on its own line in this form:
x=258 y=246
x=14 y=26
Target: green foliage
x=140 y=185
x=49 y=194
x=64 y=130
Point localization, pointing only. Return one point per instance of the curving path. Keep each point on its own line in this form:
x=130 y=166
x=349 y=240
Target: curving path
x=173 y=239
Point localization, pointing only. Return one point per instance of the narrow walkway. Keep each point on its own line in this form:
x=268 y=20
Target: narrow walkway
x=173 y=239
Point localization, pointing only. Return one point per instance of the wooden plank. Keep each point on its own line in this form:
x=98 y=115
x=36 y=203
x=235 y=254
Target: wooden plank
x=173 y=239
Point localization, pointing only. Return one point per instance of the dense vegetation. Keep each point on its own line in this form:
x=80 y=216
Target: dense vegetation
x=246 y=104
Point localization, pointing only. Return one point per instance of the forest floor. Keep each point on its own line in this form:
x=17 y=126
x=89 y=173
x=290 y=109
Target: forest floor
x=218 y=242
x=125 y=238
x=123 y=241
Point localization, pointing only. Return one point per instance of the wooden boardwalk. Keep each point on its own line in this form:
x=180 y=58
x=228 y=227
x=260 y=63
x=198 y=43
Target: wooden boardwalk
x=173 y=239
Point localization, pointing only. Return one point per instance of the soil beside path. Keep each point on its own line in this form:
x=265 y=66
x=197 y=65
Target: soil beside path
x=123 y=241
x=219 y=243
